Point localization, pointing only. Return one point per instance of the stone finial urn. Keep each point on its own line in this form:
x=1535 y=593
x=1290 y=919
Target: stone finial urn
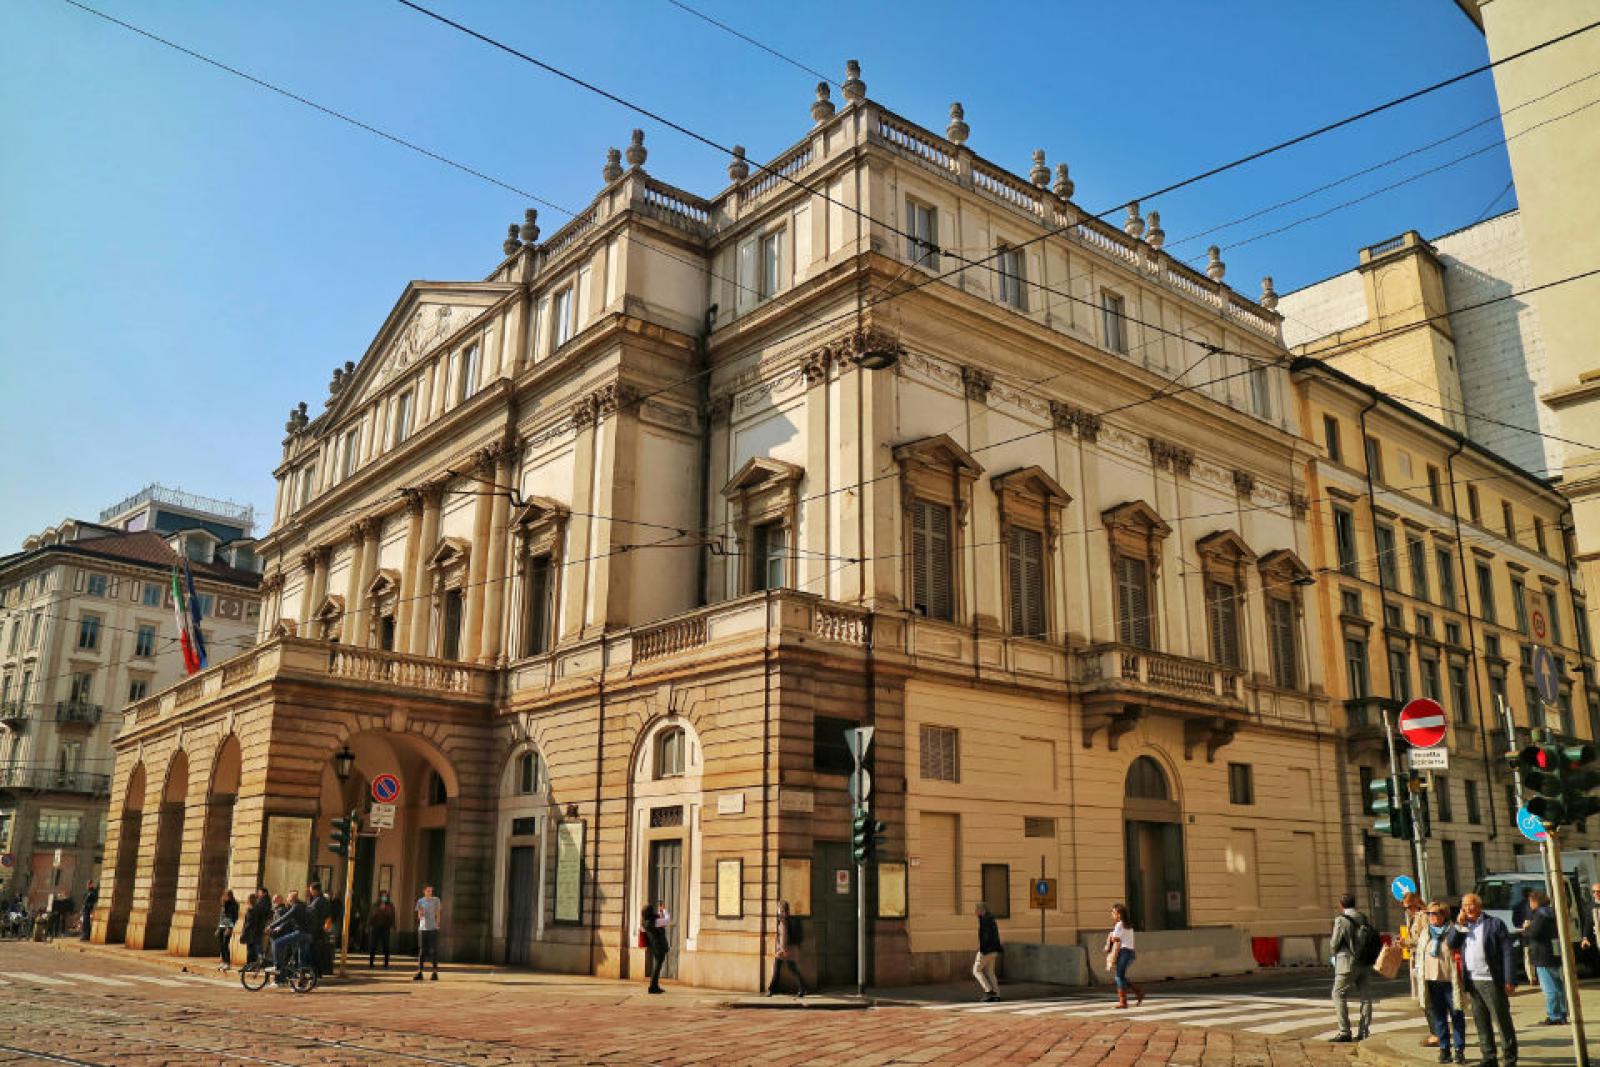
x=739 y=169
x=1040 y=174
x=958 y=129
x=636 y=152
x=1269 y=295
x=1155 y=236
x=822 y=109
x=613 y=168
x=854 y=88
x=1063 y=186
x=1216 y=270
x=1133 y=226
x=510 y=245
x=530 y=226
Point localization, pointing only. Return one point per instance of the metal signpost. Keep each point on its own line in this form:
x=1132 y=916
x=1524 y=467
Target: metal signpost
x=1419 y=851
x=859 y=740
x=1548 y=680
x=1042 y=895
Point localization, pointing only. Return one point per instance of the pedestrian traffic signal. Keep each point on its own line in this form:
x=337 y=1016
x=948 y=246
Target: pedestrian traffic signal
x=1392 y=816
x=1419 y=817
x=1562 y=777
x=866 y=835
x=344 y=831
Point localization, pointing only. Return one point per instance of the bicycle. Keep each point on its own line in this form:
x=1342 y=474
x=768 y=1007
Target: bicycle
x=301 y=976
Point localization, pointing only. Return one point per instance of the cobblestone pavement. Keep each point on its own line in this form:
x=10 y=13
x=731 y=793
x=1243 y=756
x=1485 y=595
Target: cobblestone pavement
x=62 y=1007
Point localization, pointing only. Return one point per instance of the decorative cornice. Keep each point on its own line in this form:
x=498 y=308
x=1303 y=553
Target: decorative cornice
x=1244 y=482
x=717 y=408
x=1174 y=457
x=815 y=365
x=1082 y=424
x=977 y=383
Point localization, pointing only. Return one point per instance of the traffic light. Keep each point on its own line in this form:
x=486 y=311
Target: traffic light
x=1392 y=816
x=1422 y=821
x=1581 y=778
x=344 y=831
x=1563 y=777
x=866 y=835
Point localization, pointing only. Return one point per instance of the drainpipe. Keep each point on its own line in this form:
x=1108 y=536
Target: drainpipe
x=1472 y=641
x=766 y=794
x=703 y=351
x=599 y=768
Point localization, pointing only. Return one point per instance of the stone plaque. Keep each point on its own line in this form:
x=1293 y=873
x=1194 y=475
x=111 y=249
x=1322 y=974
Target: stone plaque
x=730 y=889
x=796 y=800
x=794 y=883
x=730 y=804
x=287 y=862
x=569 y=872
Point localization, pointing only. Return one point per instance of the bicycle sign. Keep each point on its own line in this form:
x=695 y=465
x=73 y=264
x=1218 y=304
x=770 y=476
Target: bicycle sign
x=386 y=789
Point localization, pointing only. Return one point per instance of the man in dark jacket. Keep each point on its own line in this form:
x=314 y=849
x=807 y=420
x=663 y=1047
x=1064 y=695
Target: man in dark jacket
x=1485 y=947
x=1540 y=935
x=321 y=911
x=989 y=949
x=91 y=897
x=1352 y=977
x=256 y=920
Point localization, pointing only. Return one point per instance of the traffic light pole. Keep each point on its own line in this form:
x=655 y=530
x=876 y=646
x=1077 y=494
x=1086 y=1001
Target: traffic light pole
x=1419 y=852
x=861 y=921
x=1569 y=963
x=349 y=887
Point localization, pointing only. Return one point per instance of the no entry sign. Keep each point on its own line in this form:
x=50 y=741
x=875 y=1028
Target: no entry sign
x=385 y=789
x=1422 y=722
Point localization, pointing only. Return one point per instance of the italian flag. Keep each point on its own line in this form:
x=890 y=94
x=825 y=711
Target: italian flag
x=191 y=662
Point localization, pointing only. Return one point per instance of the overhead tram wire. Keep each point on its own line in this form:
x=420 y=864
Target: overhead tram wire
x=724 y=27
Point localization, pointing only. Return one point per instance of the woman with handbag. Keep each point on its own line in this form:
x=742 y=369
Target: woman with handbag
x=1119 y=955
x=653 y=939
x=226 y=921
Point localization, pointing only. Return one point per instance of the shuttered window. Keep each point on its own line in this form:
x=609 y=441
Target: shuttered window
x=930 y=560
x=1222 y=611
x=1283 y=647
x=1133 y=602
x=1026 y=565
x=941 y=756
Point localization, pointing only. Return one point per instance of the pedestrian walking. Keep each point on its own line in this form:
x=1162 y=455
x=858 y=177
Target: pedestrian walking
x=257 y=917
x=321 y=910
x=430 y=911
x=1485 y=947
x=785 y=938
x=380 y=928
x=653 y=939
x=1119 y=948
x=227 y=919
x=1520 y=911
x=989 y=949
x=91 y=897
x=1540 y=935
x=1440 y=971
x=1355 y=945
x=1412 y=930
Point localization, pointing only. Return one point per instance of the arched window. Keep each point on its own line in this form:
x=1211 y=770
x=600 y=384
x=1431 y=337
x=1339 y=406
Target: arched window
x=670 y=752
x=1146 y=780
x=530 y=773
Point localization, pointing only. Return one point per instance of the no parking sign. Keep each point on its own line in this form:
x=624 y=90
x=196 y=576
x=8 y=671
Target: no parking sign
x=386 y=789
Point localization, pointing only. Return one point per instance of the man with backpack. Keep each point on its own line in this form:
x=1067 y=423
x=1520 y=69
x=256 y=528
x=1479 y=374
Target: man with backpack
x=1355 y=946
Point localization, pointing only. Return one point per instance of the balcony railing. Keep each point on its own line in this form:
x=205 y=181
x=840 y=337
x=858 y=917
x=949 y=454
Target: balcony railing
x=1113 y=665
x=13 y=713
x=53 y=780
x=76 y=711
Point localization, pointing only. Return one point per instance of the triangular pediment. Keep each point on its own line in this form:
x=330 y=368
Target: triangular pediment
x=1135 y=515
x=1225 y=545
x=538 y=510
x=1283 y=565
x=451 y=551
x=1032 y=482
x=940 y=450
x=759 y=472
x=385 y=583
x=332 y=607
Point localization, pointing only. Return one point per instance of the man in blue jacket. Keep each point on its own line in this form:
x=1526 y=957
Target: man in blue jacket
x=1485 y=947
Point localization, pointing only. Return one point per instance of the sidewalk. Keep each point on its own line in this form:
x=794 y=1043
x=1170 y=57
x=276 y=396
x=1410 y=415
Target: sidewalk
x=1537 y=1045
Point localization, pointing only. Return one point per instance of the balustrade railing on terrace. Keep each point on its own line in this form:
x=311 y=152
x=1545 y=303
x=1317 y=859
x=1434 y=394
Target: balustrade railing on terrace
x=1105 y=663
x=779 y=171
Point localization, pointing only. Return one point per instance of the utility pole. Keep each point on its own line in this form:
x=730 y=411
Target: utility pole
x=1569 y=965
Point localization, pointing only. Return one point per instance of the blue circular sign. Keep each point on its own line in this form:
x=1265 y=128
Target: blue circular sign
x=1043 y=887
x=1530 y=825
x=385 y=788
x=1401 y=886
x=1545 y=675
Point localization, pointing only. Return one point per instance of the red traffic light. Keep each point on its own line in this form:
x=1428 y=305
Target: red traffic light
x=1546 y=759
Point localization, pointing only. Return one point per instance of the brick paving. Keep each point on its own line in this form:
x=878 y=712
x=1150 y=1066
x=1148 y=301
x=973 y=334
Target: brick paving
x=200 y=1019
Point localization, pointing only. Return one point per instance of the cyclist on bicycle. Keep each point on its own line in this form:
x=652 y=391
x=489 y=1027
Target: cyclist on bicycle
x=290 y=931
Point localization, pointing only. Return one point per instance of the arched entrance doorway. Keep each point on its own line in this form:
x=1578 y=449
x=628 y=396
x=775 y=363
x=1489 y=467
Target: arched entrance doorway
x=665 y=828
x=168 y=854
x=522 y=867
x=216 y=848
x=127 y=857
x=1152 y=824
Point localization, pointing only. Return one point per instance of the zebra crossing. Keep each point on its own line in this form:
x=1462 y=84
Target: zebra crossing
x=1308 y=1018
x=65 y=979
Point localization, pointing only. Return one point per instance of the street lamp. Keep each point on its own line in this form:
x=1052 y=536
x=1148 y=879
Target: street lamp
x=344 y=762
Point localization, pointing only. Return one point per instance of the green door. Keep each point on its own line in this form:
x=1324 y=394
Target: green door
x=828 y=948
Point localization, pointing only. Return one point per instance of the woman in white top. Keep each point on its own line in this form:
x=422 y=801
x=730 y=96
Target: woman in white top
x=1119 y=955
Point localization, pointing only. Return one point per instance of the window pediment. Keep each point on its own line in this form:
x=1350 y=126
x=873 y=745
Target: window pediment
x=938 y=452
x=1135 y=517
x=540 y=524
x=385 y=583
x=332 y=608
x=1224 y=547
x=452 y=552
x=1031 y=484
x=1282 y=565
x=762 y=473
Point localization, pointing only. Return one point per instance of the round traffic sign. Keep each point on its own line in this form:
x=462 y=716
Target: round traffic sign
x=1401 y=886
x=1537 y=619
x=1422 y=722
x=1042 y=887
x=8 y=860
x=385 y=789
x=1531 y=826
x=1545 y=676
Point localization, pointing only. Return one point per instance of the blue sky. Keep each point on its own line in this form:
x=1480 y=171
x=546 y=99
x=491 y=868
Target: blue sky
x=183 y=255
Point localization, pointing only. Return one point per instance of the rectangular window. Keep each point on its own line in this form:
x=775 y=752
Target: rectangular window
x=386 y=632
x=1241 y=784
x=450 y=634
x=1133 y=602
x=1479 y=866
x=1444 y=559
x=1430 y=679
x=402 y=418
x=1444 y=809
x=1538 y=535
x=1486 y=592
x=352 y=450
x=81 y=689
x=1424 y=624
x=1460 y=695
x=305 y=485
x=772 y=555
x=561 y=318
x=1222 y=612
x=1474 y=511
x=1282 y=644
x=144 y=643
x=932 y=594
x=941 y=756
x=1508 y=518
x=467 y=384
x=16 y=637
x=1452 y=876
x=997 y=889
x=1419 y=567
x=1435 y=487
x=1025 y=562
x=922 y=229
x=1452 y=632
x=1474 y=815
x=1374 y=459
x=137 y=688
x=1114 y=321
x=1344 y=536
x=1260 y=392
x=1552 y=615
x=1372 y=850
x=1388 y=558
x=88 y=633
x=771 y=264
x=1038 y=826
x=97 y=585
x=1519 y=604
x=1399 y=674
x=1394 y=617
x=1350 y=602
x=1355 y=668
x=540 y=583
x=1008 y=265
x=57 y=829
x=27 y=685
x=38 y=619
x=830 y=754
x=1330 y=438
x=152 y=595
